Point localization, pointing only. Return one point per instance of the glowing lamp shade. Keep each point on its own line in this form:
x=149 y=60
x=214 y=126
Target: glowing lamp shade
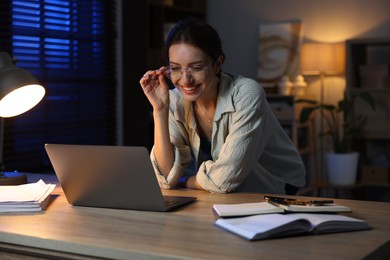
x=19 y=90
x=21 y=100
x=328 y=58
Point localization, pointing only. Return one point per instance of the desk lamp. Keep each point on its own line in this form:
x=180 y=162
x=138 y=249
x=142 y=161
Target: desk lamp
x=19 y=92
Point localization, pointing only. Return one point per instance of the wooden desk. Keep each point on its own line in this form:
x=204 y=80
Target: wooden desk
x=76 y=232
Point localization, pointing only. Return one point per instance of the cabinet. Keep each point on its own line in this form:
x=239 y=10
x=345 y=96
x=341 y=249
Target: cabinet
x=368 y=69
x=284 y=110
x=144 y=27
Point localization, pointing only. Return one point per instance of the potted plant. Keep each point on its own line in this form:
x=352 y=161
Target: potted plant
x=342 y=128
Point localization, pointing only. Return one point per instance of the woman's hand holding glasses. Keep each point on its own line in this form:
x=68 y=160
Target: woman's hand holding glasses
x=156 y=88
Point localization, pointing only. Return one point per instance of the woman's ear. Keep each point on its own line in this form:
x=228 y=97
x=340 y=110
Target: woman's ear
x=218 y=64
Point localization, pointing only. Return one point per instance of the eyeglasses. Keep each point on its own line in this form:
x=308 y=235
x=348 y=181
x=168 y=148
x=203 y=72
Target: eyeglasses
x=175 y=73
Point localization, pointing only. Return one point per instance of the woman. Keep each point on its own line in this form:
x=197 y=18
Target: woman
x=215 y=131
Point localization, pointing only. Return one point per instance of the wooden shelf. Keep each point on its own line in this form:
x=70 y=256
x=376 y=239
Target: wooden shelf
x=368 y=70
x=368 y=60
x=371 y=90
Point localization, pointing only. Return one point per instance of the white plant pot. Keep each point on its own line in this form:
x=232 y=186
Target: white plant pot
x=342 y=168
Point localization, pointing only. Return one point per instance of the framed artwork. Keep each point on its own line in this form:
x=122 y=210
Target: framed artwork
x=279 y=45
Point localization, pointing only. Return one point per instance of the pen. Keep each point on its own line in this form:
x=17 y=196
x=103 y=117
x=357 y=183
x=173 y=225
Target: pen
x=289 y=201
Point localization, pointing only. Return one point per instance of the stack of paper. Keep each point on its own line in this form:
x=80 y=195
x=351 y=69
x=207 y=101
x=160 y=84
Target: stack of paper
x=26 y=197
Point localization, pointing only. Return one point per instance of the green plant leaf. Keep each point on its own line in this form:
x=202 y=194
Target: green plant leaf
x=368 y=98
x=328 y=107
x=352 y=126
x=306 y=112
x=309 y=101
x=343 y=105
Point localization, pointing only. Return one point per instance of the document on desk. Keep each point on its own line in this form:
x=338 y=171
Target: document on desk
x=269 y=226
x=26 y=197
x=257 y=208
x=245 y=209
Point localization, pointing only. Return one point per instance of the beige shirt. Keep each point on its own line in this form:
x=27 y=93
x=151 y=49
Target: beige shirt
x=251 y=152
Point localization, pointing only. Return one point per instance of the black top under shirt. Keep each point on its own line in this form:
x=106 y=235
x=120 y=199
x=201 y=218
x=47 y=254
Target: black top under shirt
x=204 y=151
x=204 y=155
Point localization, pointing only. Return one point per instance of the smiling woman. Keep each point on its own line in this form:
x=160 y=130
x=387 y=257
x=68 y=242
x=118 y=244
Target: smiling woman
x=214 y=130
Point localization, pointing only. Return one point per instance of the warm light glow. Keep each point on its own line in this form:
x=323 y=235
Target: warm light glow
x=21 y=100
x=328 y=58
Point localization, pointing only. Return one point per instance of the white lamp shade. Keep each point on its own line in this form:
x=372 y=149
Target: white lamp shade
x=19 y=90
x=328 y=58
x=21 y=100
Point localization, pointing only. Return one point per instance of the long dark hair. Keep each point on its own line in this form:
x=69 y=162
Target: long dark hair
x=197 y=33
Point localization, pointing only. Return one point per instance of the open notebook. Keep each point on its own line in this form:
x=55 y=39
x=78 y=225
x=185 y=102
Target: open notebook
x=110 y=177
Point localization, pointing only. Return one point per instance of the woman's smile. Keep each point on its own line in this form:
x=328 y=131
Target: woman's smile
x=190 y=89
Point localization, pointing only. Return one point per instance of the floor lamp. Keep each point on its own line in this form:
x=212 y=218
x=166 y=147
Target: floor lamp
x=19 y=92
x=321 y=60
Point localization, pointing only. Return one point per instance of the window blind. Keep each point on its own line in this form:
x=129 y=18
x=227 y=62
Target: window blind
x=69 y=45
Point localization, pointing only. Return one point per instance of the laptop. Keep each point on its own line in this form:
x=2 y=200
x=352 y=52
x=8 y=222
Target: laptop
x=120 y=177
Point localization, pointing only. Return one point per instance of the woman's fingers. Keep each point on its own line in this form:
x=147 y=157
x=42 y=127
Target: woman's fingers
x=153 y=81
x=153 y=74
